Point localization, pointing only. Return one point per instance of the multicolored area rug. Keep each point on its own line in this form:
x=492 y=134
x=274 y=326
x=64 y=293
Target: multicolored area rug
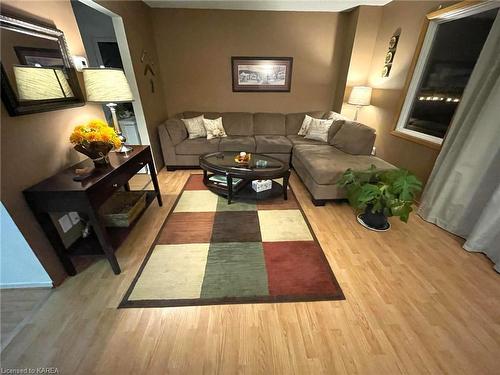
x=209 y=252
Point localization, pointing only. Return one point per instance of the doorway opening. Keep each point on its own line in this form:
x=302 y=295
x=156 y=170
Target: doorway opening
x=105 y=42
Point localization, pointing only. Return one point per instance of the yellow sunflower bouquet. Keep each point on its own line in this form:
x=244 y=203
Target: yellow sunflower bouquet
x=95 y=139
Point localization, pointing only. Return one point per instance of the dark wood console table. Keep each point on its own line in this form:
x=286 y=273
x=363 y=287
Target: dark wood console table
x=60 y=193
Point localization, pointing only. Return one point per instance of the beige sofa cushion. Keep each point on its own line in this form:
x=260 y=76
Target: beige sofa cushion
x=272 y=144
x=209 y=115
x=238 y=123
x=338 y=121
x=197 y=146
x=326 y=164
x=269 y=123
x=354 y=138
x=237 y=144
x=300 y=140
x=176 y=130
x=294 y=121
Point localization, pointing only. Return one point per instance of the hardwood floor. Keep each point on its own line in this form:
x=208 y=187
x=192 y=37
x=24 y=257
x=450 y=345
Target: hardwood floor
x=17 y=307
x=416 y=303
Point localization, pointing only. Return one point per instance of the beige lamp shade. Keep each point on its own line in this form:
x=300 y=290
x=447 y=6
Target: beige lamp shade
x=106 y=85
x=360 y=95
x=41 y=83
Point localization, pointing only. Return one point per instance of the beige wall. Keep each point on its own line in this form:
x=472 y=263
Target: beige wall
x=34 y=147
x=409 y=16
x=344 y=44
x=195 y=49
x=368 y=23
x=138 y=27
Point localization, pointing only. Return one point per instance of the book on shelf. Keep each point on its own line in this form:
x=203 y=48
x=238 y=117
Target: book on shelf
x=222 y=180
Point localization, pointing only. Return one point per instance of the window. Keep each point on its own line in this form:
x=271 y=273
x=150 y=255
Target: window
x=449 y=52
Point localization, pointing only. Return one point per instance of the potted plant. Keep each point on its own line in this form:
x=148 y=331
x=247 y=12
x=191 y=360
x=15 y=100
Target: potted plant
x=378 y=194
x=95 y=139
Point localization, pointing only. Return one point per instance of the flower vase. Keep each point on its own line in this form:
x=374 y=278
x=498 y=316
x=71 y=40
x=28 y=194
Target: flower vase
x=97 y=151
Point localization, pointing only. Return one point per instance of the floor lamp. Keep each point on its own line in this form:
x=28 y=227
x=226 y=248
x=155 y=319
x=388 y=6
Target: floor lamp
x=109 y=86
x=360 y=97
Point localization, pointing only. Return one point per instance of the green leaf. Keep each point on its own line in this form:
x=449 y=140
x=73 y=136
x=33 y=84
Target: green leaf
x=402 y=210
x=406 y=185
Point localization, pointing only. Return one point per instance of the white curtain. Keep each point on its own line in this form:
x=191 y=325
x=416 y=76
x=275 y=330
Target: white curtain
x=462 y=195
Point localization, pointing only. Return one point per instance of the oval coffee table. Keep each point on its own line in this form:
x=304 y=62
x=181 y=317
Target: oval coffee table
x=260 y=167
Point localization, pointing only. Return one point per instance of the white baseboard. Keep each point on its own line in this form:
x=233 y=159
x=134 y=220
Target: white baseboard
x=43 y=284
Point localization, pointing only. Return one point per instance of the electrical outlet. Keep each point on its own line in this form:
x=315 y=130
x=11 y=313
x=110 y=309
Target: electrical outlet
x=74 y=217
x=65 y=223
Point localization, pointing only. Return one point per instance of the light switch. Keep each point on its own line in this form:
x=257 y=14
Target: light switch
x=74 y=217
x=65 y=223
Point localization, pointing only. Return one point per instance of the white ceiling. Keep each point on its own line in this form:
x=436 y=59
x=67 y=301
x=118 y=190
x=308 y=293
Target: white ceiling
x=283 y=5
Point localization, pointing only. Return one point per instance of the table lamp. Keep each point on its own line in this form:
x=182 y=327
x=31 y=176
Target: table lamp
x=360 y=97
x=108 y=86
x=41 y=83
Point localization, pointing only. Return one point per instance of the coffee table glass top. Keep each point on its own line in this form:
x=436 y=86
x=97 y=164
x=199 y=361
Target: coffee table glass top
x=257 y=163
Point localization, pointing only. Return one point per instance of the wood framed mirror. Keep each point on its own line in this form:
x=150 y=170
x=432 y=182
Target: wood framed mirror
x=37 y=73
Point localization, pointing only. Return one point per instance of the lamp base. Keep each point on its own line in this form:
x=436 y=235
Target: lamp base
x=124 y=149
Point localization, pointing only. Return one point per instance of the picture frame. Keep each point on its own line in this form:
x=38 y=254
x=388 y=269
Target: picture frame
x=32 y=56
x=261 y=74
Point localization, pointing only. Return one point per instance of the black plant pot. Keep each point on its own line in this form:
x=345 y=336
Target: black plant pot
x=375 y=221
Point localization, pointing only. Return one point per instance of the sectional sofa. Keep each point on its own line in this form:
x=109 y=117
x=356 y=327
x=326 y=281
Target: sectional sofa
x=318 y=164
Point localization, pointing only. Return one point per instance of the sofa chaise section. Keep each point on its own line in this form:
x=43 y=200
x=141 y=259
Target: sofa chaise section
x=321 y=166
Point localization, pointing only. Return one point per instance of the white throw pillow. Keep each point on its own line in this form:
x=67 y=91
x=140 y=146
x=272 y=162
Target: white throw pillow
x=214 y=128
x=195 y=127
x=334 y=116
x=305 y=125
x=318 y=130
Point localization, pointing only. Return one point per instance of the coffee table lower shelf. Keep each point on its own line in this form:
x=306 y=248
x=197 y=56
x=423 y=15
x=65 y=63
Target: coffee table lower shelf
x=244 y=191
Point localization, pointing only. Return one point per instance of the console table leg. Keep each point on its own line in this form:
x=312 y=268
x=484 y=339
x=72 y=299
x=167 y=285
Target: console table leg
x=285 y=185
x=154 y=179
x=103 y=238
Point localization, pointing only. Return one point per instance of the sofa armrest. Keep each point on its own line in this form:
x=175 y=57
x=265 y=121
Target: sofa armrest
x=167 y=146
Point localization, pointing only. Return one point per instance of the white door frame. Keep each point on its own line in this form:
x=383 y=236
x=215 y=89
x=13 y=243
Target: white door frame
x=121 y=39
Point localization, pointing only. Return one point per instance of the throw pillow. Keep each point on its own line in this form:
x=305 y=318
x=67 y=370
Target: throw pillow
x=338 y=121
x=354 y=138
x=318 y=130
x=334 y=116
x=195 y=127
x=214 y=128
x=305 y=125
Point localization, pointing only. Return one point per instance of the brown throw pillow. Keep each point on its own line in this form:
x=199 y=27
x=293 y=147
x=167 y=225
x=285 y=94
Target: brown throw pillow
x=354 y=138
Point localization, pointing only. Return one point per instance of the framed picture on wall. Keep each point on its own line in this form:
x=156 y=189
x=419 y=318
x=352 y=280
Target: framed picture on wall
x=261 y=74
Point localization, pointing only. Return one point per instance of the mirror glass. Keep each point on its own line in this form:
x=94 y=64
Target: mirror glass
x=36 y=73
